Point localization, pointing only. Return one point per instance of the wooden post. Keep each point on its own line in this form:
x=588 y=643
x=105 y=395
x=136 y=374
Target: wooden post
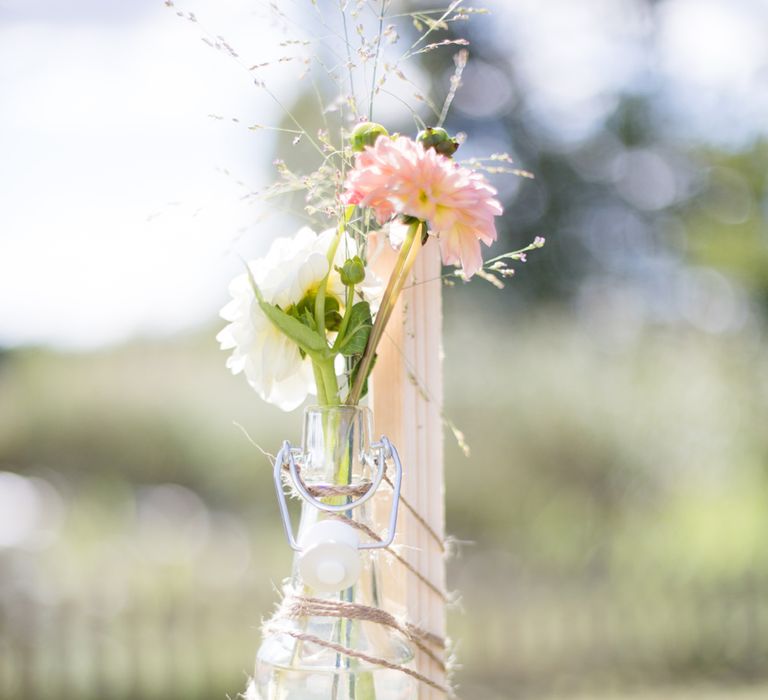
x=407 y=405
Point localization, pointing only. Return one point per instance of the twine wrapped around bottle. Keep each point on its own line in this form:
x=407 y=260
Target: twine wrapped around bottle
x=295 y=607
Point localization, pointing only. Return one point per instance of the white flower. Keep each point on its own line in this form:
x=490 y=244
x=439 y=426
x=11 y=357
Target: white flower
x=293 y=268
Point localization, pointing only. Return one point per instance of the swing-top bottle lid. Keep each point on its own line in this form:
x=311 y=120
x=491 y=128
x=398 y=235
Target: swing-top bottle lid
x=330 y=560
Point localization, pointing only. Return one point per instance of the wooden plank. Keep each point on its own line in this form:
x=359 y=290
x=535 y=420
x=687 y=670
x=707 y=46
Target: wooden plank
x=407 y=404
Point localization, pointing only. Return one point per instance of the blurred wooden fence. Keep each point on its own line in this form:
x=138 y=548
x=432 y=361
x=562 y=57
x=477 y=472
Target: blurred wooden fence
x=175 y=648
x=555 y=639
x=541 y=639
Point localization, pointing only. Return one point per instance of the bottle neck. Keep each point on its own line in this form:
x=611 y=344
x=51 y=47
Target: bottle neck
x=334 y=442
x=335 y=467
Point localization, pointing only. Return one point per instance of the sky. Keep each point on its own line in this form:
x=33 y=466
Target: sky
x=122 y=210
x=117 y=217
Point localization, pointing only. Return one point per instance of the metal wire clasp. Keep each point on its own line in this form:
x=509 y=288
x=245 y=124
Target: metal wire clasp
x=384 y=449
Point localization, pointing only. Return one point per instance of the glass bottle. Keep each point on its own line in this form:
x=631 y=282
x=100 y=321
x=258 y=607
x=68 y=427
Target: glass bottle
x=336 y=451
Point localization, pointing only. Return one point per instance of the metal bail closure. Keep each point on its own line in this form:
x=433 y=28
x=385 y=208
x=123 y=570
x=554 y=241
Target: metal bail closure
x=329 y=557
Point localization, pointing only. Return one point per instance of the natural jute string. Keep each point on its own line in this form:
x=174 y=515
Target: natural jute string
x=419 y=518
x=365 y=657
x=359 y=490
x=326 y=490
x=392 y=552
x=302 y=606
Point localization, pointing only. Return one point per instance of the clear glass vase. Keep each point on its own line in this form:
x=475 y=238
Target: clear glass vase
x=335 y=441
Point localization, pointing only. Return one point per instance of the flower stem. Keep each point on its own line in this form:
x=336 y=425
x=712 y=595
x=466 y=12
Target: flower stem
x=323 y=288
x=320 y=384
x=403 y=265
x=349 y=303
x=327 y=373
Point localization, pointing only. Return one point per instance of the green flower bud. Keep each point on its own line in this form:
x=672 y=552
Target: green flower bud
x=437 y=138
x=352 y=272
x=365 y=134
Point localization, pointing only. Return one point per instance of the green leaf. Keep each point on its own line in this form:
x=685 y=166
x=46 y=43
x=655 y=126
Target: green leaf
x=307 y=339
x=354 y=375
x=332 y=315
x=306 y=304
x=358 y=329
x=308 y=320
x=332 y=320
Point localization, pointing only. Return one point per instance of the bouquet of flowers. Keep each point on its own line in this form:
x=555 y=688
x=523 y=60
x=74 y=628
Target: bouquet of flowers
x=307 y=318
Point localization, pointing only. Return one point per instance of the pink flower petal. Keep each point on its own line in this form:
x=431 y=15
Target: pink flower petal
x=398 y=176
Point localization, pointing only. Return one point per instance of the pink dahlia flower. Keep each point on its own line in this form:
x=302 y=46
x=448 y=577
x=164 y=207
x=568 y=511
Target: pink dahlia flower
x=400 y=176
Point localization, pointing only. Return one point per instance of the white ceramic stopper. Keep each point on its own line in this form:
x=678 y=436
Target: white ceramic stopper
x=329 y=560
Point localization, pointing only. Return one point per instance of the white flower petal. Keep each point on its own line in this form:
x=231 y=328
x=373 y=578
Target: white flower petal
x=293 y=266
x=226 y=339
